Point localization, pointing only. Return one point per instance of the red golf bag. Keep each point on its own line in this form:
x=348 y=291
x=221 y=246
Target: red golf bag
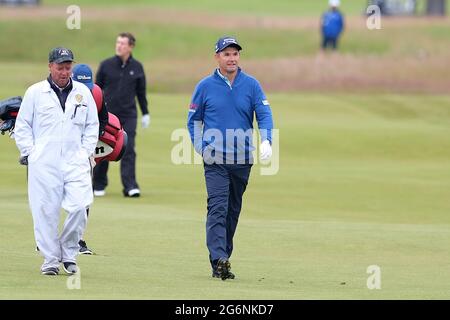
x=112 y=143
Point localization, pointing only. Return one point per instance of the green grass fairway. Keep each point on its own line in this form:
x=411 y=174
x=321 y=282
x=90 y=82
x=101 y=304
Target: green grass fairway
x=363 y=180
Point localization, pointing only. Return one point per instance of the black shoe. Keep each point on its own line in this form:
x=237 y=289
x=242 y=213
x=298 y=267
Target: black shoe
x=70 y=267
x=50 y=271
x=83 y=248
x=215 y=274
x=223 y=269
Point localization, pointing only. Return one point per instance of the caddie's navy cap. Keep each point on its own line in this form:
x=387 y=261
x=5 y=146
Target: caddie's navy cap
x=60 y=55
x=83 y=73
x=226 y=42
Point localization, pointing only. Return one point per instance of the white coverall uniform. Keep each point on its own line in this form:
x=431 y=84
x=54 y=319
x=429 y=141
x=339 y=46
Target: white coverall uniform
x=58 y=145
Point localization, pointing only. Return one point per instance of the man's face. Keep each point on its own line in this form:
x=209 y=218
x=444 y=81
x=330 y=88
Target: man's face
x=60 y=73
x=123 y=47
x=228 y=59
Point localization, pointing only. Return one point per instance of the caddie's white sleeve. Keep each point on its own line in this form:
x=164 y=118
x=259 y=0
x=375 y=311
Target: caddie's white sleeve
x=23 y=131
x=90 y=135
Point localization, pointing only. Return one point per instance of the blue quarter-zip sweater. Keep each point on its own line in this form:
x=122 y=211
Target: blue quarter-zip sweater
x=221 y=116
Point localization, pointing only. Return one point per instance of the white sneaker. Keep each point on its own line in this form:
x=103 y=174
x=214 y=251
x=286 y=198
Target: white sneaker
x=99 y=193
x=134 y=193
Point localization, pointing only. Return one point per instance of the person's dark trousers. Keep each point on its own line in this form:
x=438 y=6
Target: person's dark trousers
x=329 y=42
x=225 y=184
x=127 y=163
x=100 y=180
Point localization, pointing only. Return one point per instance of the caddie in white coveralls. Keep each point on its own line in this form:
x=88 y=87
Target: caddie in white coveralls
x=56 y=132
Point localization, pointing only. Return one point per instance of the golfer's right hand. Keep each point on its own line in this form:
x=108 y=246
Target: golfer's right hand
x=265 y=150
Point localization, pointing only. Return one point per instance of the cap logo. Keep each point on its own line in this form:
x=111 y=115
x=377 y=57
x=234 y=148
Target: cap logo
x=229 y=40
x=83 y=77
x=63 y=52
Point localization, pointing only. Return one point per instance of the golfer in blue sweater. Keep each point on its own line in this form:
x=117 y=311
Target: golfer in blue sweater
x=220 y=124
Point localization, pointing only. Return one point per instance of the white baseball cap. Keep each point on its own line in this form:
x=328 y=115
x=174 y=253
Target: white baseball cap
x=334 y=3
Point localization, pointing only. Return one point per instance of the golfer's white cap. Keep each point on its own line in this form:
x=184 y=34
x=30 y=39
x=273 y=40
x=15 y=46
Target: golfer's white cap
x=334 y=3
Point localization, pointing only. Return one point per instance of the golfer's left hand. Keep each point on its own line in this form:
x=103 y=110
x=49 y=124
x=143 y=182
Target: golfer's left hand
x=265 y=150
x=145 y=121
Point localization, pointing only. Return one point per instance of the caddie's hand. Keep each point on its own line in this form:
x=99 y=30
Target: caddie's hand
x=265 y=150
x=23 y=160
x=145 y=121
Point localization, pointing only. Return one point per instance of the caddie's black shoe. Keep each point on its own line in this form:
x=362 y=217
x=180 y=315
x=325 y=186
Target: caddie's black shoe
x=83 y=248
x=223 y=269
x=70 y=267
x=50 y=271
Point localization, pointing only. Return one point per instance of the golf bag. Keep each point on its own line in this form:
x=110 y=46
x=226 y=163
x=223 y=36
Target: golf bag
x=112 y=143
x=9 y=109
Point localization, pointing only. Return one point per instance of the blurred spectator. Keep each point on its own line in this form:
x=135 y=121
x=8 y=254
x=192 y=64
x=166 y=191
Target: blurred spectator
x=395 y=7
x=332 y=24
x=436 y=7
x=20 y=2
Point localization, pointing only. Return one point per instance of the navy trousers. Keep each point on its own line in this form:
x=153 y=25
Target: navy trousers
x=225 y=184
x=329 y=42
x=127 y=163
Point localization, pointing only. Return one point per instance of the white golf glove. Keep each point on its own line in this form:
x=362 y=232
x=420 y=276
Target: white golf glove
x=265 y=150
x=145 y=121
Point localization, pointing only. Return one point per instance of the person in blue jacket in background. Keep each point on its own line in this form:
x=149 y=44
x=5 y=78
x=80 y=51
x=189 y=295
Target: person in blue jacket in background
x=332 y=25
x=220 y=123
